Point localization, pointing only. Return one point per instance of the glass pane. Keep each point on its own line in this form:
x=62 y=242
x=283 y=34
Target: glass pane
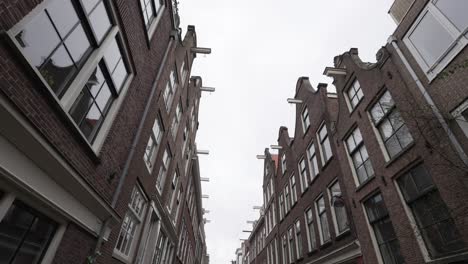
x=81 y=106
x=357 y=159
x=421 y=178
x=323 y=133
x=362 y=174
x=384 y=231
x=369 y=168
x=396 y=119
x=455 y=11
x=157 y=4
x=104 y=98
x=386 y=101
x=38 y=39
x=393 y=146
x=407 y=187
x=91 y=121
x=58 y=69
x=119 y=75
x=77 y=44
x=13 y=228
x=404 y=136
x=364 y=154
x=95 y=81
x=328 y=151
x=375 y=208
x=377 y=113
x=63 y=15
x=430 y=39
x=350 y=143
x=35 y=242
x=112 y=55
x=100 y=21
x=89 y=4
x=386 y=129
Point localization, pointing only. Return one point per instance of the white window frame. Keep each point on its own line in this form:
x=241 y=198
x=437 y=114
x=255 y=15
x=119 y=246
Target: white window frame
x=310 y=247
x=460 y=41
x=76 y=85
x=7 y=200
x=461 y=120
x=313 y=167
x=176 y=120
x=292 y=183
x=170 y=89
x=299 y=250
x=283 y=163
x=357 y=148
x=321 y=144
x=349 y=99
x=319 y=220
x=156 y=142
x=305 y=119
x=332 y=209
x=153 y=24
x=303 y=174
x=139 y=217
x=163 y=170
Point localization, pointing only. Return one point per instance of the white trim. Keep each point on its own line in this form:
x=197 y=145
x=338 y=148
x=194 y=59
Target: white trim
x=456 y=114
x=332 y=209
x=340 y=258
x=372 y=235
x=351 y=164
x=53 y=245
x=378 y=136
x=457 y=45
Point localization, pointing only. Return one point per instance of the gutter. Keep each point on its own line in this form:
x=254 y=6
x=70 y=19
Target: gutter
x=458 y=148
x=136 y=139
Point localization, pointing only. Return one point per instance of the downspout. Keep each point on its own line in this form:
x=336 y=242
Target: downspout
x=458 y=148
x=136 y=139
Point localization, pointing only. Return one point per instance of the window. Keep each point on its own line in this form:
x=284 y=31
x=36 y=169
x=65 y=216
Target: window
x=283 y=163
x=175 y=181
x=131 y=224
x=432 y=216
x=313 y=165
x=298 y=239
x=292 y=246
x=25 y=234
x=323 y=220
x=338 y=208
x=287 y=199
x=59 y=44
x=438 y=35
x=355 y=94
x=285 y=249
x=461 y=116
x=303 y=175
x=150 y=9
x=359 y=157
x=160 y=249
x=281 y=206
x=166 y=160
x=305 y=119
x=153 y=144
x=384 y=233
x=176 y=120
x=311 y=239
x=292 y=181
x=325 y=148
x=170 y=90
x=389 y=123
x=183 y=70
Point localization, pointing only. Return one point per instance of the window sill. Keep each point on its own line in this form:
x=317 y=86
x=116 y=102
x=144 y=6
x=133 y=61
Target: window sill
x=343 y=234
x=326 y=244
x=118 y=256
x=312 y=252
x=456 y=258
x=314 y=179
x=305 y=191
x=366 y=182
x=397 y=156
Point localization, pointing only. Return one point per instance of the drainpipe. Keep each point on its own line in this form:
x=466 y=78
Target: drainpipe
x=458 y=148
x=136 y=139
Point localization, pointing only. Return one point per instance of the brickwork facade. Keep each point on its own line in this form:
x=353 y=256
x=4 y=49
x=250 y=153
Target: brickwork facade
x=121 y=183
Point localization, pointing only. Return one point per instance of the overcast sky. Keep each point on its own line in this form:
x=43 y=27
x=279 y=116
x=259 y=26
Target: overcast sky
x=260 y=49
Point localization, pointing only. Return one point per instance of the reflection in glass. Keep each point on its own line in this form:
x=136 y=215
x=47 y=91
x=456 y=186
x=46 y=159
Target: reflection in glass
x=119 y=75
x=58 y=69
x=100 y=21
x=77 y=44
x=63 y=16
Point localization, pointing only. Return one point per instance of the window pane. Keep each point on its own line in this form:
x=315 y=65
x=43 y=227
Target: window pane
x=393 y=146
x=455 y=11
x=375 y=208
x=430 y=39
x=104 y=98
x=386 y=129
x=89 y=5
x=81 y=106
x=328 y=151
x=100 y=21
x=112 y=55
x=119 y=75
x=404 y=137
x=77 y=44
x=91 y=122
x=377 y=113
x=24 y=235
x=96 y=80
x=63 y=15
x=57 y=70
x=38 y=39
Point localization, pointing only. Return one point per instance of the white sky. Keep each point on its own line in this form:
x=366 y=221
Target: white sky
x=260 y=49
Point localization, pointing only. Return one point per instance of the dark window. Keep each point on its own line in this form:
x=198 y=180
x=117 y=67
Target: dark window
x=432 y=215
x=24 y=235
x=150 y=9
x=360 y=157
x=383 y=230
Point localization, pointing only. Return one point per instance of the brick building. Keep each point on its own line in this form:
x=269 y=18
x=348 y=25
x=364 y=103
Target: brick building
x=382 y=162
x=99 y=115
